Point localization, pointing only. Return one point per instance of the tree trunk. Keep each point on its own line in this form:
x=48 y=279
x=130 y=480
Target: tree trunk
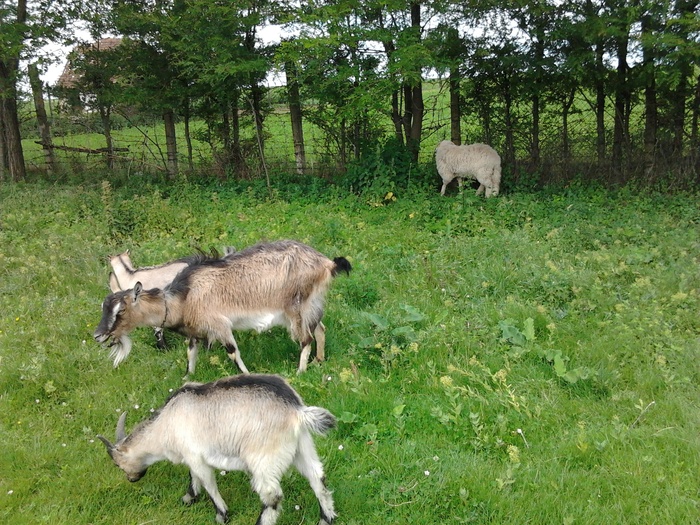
x=41 y=118
x=170 y=143
x=455 y=106
x=417 y=107
x=188 y=136
x=565 y=145
x=396 y=115
x=257 y=97
x=622 y=103
x=650 y=101
x=105 y=115
x=685 y=10
x=296 y=117
x=12 y=145
x=537 y=102
x=4 y=166
x=600 y=102
x=694 y=136
x=13 y=141
x=509 y=131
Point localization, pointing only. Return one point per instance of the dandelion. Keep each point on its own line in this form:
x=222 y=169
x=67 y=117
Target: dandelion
x=329 y=378
x=427 y=473
x=10 y=492
x=136 y=407
x=340 y=447
x=170 y=390
x=223 y=472
x=63 y=444
x=297 y=507
x=36 y=401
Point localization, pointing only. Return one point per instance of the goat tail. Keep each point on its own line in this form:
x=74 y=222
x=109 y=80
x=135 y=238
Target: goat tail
x=341 y=265
x=318 y=420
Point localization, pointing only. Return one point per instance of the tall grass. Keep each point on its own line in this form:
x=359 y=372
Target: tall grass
x=533 y=358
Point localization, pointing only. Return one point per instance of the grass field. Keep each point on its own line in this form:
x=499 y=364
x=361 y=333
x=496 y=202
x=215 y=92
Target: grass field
x=534 y=358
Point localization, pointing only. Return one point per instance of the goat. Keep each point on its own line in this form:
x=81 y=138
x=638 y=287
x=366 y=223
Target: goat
x=477 y=161
x=124 y=276
x=281 y=283
x=255 y=423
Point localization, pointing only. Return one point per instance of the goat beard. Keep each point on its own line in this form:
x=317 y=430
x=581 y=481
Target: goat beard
x=120 y=349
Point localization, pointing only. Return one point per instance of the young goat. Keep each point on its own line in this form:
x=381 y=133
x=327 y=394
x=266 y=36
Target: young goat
x=255 y=423
x=124 y=276
x=269 y=284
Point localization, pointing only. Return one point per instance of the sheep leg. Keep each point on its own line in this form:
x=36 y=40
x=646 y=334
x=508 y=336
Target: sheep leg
x=481 y=190
x=270 y=492
x=204 y=476
x=320 y=336
x=309 y=465
x=459 y=184
x=444 y=187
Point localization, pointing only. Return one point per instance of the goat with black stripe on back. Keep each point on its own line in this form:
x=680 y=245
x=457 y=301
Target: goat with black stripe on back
x=124 y=276
x=280 y=283
x=255 y=423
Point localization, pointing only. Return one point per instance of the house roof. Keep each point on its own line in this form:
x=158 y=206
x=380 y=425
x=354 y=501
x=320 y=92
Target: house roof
x=69 y=77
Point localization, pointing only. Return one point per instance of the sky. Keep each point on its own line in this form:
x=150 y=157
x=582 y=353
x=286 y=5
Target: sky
x=271 y=34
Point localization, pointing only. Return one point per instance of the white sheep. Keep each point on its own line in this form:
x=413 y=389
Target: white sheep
x=476 y=161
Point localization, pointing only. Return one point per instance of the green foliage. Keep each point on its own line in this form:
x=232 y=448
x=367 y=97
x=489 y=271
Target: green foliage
x=386 y=168
x=528 y=358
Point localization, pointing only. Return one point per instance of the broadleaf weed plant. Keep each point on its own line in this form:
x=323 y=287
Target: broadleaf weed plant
x=530 y=358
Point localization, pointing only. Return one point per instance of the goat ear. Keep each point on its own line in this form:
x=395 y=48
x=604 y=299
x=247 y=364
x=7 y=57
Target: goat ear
x=138 y=288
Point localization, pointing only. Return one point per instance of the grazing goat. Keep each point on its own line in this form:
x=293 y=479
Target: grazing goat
x=255 y=423
x=281 y=283
x=476 y=161
x=124 y=276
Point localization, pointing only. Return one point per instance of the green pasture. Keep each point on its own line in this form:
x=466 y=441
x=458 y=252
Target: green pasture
x=534 y=358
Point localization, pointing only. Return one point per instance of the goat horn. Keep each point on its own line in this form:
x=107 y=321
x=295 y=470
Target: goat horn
x=121 y=434
x=106 y=442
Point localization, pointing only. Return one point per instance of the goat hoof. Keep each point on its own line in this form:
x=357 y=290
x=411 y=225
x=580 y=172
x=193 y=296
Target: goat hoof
x=188 y=499
x=222 y=518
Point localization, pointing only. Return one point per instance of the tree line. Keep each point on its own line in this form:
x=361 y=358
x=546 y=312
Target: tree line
x=513 y=71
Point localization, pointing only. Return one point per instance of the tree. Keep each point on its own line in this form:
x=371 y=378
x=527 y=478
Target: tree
x=25 y=26
x=14 y=34
x=42 y=119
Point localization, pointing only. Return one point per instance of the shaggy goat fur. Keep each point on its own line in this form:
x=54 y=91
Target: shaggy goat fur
x=270 y=284
x=476 y=161
x=255 y=423
x=124 y=276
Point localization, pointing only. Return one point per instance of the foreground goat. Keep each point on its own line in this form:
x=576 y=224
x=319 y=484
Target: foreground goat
x=255 y=423
x=269 y=284
x=476 y=161
x=124 y=276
